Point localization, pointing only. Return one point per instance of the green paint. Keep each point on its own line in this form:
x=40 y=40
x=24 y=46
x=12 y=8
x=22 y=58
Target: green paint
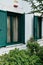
x=37 y=27
x=21 y=29
x=3 y=22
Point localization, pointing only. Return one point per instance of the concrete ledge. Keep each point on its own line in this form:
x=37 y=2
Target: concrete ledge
x=6 y=49
x=40 y=41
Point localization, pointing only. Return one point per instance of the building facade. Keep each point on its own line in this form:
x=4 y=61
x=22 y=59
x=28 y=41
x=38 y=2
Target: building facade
x=16 y=26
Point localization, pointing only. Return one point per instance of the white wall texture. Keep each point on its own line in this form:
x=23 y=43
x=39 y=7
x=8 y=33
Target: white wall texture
x=28 y=26
x=8 y=6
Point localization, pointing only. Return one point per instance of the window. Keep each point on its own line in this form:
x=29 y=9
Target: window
x=12 y=29
x=15 y=28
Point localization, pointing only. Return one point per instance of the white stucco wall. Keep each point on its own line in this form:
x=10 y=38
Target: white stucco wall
x=8 y=5
x=28 y=26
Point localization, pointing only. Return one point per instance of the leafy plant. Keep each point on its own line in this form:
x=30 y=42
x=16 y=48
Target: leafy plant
x=33 y=46
x=40 y=53
x=31 y=56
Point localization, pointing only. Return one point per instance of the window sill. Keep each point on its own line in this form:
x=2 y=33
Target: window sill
x=6 y=49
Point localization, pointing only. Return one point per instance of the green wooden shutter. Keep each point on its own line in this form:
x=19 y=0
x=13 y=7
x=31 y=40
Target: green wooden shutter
x=37 y=23
x=35 y=27
x=3 y=24
x=21 y=28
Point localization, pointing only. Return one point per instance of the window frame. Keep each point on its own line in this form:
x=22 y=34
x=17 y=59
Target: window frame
x=15 y=14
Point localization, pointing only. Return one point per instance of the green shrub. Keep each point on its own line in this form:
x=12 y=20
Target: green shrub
x=40 y=53
x=31 y=56
x=31 y=39
x=36 y=49
x=33 y=46
x=35 y=60
x=15 y=57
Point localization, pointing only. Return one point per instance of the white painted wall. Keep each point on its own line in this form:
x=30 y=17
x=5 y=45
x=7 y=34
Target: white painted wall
x=28 y=26
x=8 y=6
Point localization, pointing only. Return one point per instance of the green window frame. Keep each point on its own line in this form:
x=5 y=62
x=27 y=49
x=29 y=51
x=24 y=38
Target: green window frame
x=3 y=31
x=21 y=28
x=37 y=27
